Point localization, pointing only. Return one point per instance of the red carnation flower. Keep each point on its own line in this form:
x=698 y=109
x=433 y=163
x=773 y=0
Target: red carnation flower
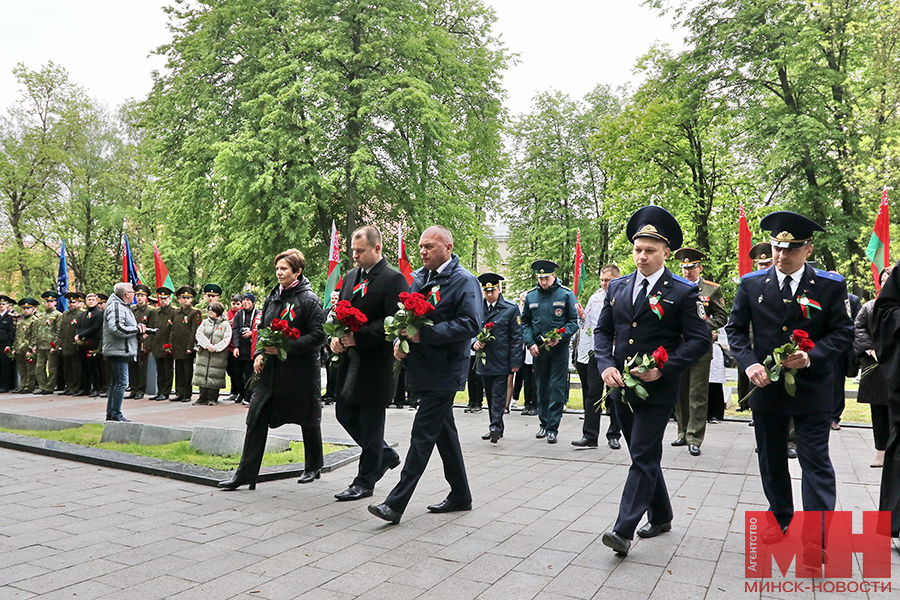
x=660 y=356
x=561 y=330
x=798 y=335
x=489 y=325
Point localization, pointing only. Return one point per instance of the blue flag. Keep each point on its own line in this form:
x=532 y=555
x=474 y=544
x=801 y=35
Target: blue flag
x=62 y=280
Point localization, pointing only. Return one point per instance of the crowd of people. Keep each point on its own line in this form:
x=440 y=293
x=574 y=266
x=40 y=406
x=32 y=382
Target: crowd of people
x=652 y=344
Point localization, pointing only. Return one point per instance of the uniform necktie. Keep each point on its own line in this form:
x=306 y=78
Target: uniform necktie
x=786 y=293
x=642 y=295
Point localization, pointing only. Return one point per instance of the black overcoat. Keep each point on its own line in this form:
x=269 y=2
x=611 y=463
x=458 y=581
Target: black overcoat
x=370 y=370
x=294 y=386
x=886 y=332
x=504 y=352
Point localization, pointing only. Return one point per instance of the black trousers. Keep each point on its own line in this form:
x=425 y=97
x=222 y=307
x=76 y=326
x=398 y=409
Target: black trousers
x=72 y=368
x=137 y=375
x=475 y=386
x=890 y=473
x=818 y=486
x=243 y=371
x=715 y=406
x=91 y=375
x=7 y=371
x=433 y=426
x=184 y=373
x=645 y=488
x=592 y=391
x=524 y=382
x=495 y=389
x=881 y=425
x=255 y=445
x=365 y=424
x=165 y=369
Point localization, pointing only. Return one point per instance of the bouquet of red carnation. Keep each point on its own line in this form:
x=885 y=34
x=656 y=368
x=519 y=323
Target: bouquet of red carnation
x=412 y=316
x=657 y=360
x=344 y=318
x=800 y=342
x=276 y=335
x=167 y=348
x=484 y=336
x=553 y=336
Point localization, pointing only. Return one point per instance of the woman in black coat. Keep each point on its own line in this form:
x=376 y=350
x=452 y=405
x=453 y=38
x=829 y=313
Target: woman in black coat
x=288 y=391
x=873 y=387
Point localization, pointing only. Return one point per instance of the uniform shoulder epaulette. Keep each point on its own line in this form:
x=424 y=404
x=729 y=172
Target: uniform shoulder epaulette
x=829 y=275
x=755 y=273
x=681 y=279
x=712 y=283
x=565 y=287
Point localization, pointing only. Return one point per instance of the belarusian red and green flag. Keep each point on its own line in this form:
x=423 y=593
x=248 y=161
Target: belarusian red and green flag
x=334 y=267
x=579 y=266
x=404 y=265
x=745 y=242
x=880 y=242
x=162 y=274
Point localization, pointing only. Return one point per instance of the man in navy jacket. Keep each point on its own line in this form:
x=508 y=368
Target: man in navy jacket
x=436 y=368
x=792 y=295
x=502 y=355
x=643 y=311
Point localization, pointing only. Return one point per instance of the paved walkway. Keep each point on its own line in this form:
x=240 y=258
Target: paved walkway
x=70 y=530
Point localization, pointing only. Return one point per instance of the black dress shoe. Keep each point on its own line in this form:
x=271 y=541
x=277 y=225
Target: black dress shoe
x=680 y=442
x=792 y=453
x=236 y=482
x=93 y=394
x=230 y=398
x=176 y=399
x=160 y=398
x=585 y=443
x=138 y=396
x=614 y=444
x=119 y=419
x=187 y=399
x=541 y=434
x=486 y=436
x=309 y=476
x=616 y=542
x=354 y=492
x=448 y=505
x=551 y=437
x=383 y=511
x=130 y=396
x=495 y=436
x=650 y=530
x=694 y=449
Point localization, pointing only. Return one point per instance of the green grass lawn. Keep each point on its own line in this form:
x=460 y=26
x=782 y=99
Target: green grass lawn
x=89 y=435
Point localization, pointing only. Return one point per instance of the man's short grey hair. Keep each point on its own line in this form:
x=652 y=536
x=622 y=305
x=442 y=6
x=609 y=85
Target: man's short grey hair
x=121 y=288
x=446 y=236
x=371 y=233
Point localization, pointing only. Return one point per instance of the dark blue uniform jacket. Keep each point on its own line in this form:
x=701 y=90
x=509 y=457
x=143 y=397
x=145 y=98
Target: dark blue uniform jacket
x=440 y=362
x=504 y=353
x=682 y=331
x=759 y=302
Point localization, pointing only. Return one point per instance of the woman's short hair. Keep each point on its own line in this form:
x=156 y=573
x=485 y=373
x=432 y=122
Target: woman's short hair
x=294 y=259
x=216 y=307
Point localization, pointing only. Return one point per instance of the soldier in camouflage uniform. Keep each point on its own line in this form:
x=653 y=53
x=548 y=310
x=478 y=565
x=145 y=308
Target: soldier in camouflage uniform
x=68 y=349
x=47 y=344
x=25 y=345
x=162 y=319
x=137 y=371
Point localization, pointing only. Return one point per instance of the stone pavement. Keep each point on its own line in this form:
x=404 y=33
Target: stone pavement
x=70 y=530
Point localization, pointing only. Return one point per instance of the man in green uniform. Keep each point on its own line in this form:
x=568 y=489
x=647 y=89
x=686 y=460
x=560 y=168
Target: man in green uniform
x=68 y=349
x=137 y=371
x=162 y=319
x=47 y=344
x=24 y=347
x=184 y=330
x=690 y=412
x=549 y=308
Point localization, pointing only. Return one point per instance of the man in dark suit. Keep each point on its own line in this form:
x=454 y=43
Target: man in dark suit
x=843 y=367
x=643 y=311
x=436 y=368
x=789 y=296
x=502 y=355
x=364 y=382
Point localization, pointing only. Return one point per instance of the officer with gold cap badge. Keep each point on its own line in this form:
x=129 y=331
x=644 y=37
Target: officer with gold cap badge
x=26 y=340
x=791 y=296
x=47 y=343
x=184 y=331
x=691 y=410
x=500 y=356
x=68 y=349
x=549 y=307
x=643 y=311
x=761 y=254
x=137 y=371
x=163 y=319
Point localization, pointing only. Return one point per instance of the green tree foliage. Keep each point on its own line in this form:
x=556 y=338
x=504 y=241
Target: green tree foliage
x=556 y=185
x=276 y=117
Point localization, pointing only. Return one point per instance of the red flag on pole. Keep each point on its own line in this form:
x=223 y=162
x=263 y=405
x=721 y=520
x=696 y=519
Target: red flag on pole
x=745 y=242
x=579 y=266
x=162 y=274
x=334 y=267
x=404 y=265
x=879 y=247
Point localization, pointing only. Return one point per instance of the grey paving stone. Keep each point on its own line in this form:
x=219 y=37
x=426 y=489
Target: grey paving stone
x=576 y=582
x=516 y=584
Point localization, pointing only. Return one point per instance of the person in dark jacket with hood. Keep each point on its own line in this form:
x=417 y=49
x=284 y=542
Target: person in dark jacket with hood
x=502 y=355
x=288 y=391
x=436 y=368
